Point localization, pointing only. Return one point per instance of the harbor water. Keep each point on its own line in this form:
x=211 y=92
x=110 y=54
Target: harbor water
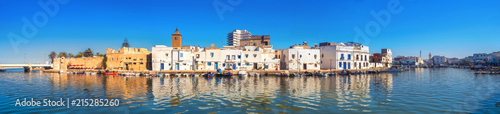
x=438 y=90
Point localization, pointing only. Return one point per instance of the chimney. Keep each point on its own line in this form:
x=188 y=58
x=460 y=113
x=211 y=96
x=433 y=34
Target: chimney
x=212 y=45
x=315 y=45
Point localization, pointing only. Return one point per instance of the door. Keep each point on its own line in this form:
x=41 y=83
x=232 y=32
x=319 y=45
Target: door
x=345 y=66
x=162 y=66
x=349 y=65
x=305 y=66
x=176 y=66
x=216 y=65
x=255 y=65
x=234 y=66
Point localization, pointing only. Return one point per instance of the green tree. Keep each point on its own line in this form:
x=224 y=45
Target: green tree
x=52 y=55
x=79 y=55
x=62 y=54
x=99 y=54
x=104 y=60
x=88 y=53
x=70 y=55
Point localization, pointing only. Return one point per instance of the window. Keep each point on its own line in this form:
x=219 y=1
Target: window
x=246 y=55
x=239 y=56
x=234 y=57
x=182 y=54
x=228 y=57
x=223 y=64
x=197 y=56
x=315 y=56
x=166 y=54
x=175 y=38
x=239 y=64
x=340 y=64
x=322 y=55
x=254 y=55
x=341 y=56
x=248 y=64
x=348 y=56
x=142 y=63
x=315 y=65
x=293 y=56
x=209 y=63
x=211 y=54
x=300 y=57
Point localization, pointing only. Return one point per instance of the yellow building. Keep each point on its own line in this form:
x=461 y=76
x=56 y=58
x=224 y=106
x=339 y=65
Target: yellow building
x=128 y=59
x=78 y=63
x=176 y=40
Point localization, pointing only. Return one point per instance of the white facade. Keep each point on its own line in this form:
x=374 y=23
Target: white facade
x=345 y=56
x=234 y=38
x=439 y=60
x=247 y=58
x=167 y=58
x=298 y=58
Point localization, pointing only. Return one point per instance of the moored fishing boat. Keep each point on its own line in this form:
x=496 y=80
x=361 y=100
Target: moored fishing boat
x=110 y=73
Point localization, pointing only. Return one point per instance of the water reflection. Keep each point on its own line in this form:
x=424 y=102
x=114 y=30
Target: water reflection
x=379 y=93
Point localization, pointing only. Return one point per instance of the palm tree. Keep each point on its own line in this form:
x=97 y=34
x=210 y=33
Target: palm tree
x=62 y=54
x=52 y=55
x=70 y=55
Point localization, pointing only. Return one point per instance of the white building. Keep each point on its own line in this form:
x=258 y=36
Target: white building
x=345 y=56
x=439 y=60
x=229 y=57
x=408 y=60
x=233 y=38
x=168 y=58
x=300 y=58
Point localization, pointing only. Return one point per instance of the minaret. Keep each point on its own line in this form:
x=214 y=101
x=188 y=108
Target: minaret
x=176 y=39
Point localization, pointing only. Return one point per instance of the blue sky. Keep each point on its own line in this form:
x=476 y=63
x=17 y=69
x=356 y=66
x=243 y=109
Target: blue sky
x=453 y=28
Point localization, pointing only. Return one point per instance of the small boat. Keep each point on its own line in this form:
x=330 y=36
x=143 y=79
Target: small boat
x=110 y=73
x=82 y=72
x=128 y=74
x=372 y=72
x=225 y=74
x=242 y=73
x=344 y=72
x=308 y=74
x=3 y=70
x=330 y=74
x=394 y=69
x=208 y=74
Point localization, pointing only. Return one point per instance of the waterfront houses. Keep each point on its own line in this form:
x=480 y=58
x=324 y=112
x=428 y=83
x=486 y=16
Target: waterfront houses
x=169 y=58
x=213 y=58
x=439 y=60
x=344 y=56
x=300 y=57
x=381 y=60
x=408 y=60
